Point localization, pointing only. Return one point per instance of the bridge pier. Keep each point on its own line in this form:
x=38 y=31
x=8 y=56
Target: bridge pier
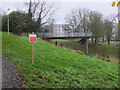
x=84 y=41
x=86 y=46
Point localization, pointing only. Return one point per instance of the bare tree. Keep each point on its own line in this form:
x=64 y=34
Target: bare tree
x=72 y=21
x=84 y=20
x=109 y=30
x=78 y=20
x=49 y=26
x=39 y=13
x=95 y=25
x=84 y=23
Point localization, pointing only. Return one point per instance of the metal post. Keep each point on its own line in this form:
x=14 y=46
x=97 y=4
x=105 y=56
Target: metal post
x=8 y=21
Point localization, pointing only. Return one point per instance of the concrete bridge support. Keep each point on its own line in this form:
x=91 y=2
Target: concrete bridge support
x=86 y=46
x=84 y=41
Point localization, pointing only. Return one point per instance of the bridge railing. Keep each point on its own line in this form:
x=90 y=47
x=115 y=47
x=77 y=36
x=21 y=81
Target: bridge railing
x=48 y=35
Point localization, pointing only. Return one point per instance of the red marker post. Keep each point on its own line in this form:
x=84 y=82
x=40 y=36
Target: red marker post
x=32 y=38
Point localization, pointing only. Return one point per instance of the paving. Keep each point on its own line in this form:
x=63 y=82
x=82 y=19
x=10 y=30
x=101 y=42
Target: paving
x=10 y=78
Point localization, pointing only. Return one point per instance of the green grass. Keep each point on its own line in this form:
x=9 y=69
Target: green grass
x=70 y=44
x=95 y=50
x=59 y=40
x=111 y=44
x=62 y=68
x=99 y=50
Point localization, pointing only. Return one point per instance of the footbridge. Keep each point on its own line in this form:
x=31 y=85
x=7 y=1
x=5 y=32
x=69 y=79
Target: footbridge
x=84 y=37
x=64 y=35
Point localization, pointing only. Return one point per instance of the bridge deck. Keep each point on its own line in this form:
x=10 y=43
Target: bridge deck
x=64 y=36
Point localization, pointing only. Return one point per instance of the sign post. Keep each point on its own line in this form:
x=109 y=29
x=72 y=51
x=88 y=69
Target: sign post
x=32 y=38
x=32 y=52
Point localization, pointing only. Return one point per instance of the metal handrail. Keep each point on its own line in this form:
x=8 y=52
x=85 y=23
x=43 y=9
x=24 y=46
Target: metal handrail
x=83 y=34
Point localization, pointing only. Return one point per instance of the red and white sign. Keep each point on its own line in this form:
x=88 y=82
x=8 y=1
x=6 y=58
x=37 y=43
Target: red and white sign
x=32 y=38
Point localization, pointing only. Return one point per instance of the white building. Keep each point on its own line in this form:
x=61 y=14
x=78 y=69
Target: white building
x=115 y=33
x=57 y=30
x=61 y=30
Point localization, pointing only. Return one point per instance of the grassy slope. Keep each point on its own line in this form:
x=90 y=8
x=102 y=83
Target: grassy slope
x=95 y=50
x=112 y=44
x=62 y=67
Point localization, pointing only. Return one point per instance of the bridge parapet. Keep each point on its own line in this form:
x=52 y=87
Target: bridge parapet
x=66 y=35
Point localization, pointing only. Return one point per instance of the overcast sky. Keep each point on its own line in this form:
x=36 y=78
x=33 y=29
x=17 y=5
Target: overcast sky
x=65 y=6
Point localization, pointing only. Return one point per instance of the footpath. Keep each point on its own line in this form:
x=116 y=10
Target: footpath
x=10 y=78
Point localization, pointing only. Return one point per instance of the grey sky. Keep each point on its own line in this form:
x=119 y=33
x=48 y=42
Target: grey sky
x=103 y=7
x=64 y=8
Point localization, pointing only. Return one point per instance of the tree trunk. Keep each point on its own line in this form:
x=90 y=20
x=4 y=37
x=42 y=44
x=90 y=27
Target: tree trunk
x=96 y=41
x=108 y=41
x=103 y=40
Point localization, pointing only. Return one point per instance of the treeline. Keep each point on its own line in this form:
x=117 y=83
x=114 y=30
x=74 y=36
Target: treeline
x=85 y=20
x=34 y=19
